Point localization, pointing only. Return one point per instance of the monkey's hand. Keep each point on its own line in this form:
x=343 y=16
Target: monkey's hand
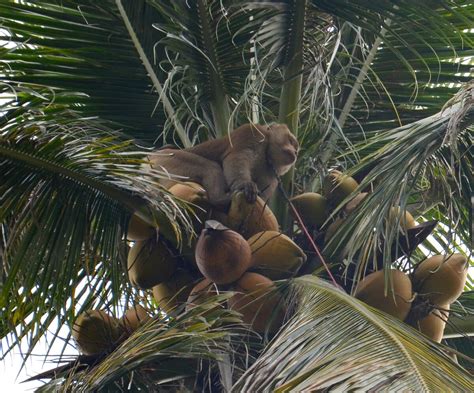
x=249 y=189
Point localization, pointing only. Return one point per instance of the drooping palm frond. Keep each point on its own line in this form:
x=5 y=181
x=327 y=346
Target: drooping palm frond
x=335 y=342
x=176 y=354
x=414 y=160
x=84 y=47
x=419 y=65
x=208 y=59
x=68 y=187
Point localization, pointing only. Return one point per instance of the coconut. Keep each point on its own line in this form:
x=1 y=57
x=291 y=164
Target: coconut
x=170 y=294
x=150 y=263
x=250 y=218
x=433 y=325
x=139 y=230
x=202 y=291
x=311 y=207
x=441 y=279
x=397 y=303
x=134 y=317
x=275 y=255
x=96 y=332
x=255 y=299
x=406 y=221
x=222 y=255
x=356 y=201
x=193 y=193
x=337 y=186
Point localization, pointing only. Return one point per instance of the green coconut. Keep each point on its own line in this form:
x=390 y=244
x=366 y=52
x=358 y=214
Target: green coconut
x=371 y=290
x=96 y=332
x=441 y=279
x=170 y=294
x=337 y=186
x=149 y=263
x=312 y=208
x=275 y=255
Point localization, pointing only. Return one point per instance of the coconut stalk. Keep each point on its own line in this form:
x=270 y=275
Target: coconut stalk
x=289 y=111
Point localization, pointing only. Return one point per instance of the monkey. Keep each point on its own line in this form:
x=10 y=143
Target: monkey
x=247 y=160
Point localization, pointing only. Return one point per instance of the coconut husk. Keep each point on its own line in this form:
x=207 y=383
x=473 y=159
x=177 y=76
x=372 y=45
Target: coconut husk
x=139 y=230
x=149 y=263
x=260 y=305
x=249 y=219
x=440 y=278
x=371 y=290
x=222 y=255
x=174 y=292
x=312 y=208
x=134 y=317
x=337 y=186
x=275 y=255
x=95 y=332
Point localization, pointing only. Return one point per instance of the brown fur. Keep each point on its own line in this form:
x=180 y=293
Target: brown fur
x=244 y=161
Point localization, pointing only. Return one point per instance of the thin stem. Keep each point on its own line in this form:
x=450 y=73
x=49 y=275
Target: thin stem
x=151 y=73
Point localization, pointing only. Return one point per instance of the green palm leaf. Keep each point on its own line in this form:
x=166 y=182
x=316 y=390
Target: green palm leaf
x=67 y=192
x=335 y=342
x=82 y=47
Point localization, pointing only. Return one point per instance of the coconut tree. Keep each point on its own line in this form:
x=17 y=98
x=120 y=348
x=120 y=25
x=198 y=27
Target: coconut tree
x=379 y=90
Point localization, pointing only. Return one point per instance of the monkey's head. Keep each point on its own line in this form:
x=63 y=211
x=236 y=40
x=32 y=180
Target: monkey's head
x=282 y=148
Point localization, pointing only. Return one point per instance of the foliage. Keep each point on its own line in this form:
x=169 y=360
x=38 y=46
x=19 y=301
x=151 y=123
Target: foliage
x=382 y=90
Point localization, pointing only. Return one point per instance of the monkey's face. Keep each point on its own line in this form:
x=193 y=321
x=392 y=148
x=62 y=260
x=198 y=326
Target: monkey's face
x=282 y=149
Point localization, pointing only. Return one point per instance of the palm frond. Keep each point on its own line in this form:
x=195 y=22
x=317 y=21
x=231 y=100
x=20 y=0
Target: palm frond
x=335 y=342
x=424 y=156
x=67 y=192
x=165 y=353
x=208 y=58
x=84 y=47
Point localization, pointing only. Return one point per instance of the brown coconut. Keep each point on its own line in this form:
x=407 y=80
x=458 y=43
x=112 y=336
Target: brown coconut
x=312 y=208
x=202 y=291
x=170 y=294
x=222 y=255
x=249 y=219
x=139 y=230
x=150 y=263
x=441 y=279
x=397 y=303
x=195 y=194
x=433 y=325
x=275 y=255
x=134 y=317
x=406 y=221
x=96 y=332
x=261 y=307
x=337 y=186
x=356 y=201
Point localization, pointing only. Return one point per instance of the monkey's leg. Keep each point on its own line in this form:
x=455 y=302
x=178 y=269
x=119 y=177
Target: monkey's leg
x=207 y=173
x=238 y=173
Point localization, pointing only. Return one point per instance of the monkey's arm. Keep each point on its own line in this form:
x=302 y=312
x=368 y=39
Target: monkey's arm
x=238 y=169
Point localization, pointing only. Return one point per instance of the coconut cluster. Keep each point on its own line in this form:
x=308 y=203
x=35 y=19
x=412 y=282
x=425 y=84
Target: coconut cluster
x=240 y=249
x=421 y=299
